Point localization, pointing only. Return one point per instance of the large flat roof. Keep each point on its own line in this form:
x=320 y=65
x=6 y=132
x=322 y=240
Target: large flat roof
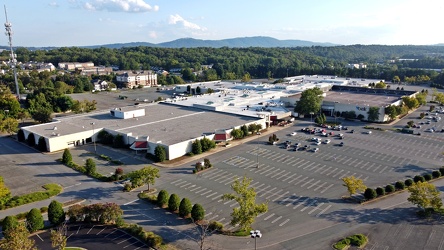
x=167 y=123
x=373 y=100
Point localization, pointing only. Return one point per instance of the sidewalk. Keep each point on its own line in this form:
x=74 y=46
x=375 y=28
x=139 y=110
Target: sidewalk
x=186 y=159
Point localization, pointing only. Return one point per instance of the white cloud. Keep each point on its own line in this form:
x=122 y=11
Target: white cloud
x=120 y=5
x=176 y=19
x=153 y=35
x=53 y=4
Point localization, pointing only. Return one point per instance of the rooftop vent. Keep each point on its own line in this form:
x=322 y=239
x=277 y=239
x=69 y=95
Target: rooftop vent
x=55 y=128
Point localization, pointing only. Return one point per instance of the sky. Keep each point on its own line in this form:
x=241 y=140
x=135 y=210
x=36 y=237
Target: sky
x=63 y=23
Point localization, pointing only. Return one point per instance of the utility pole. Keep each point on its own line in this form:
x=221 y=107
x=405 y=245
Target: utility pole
x=8 y=27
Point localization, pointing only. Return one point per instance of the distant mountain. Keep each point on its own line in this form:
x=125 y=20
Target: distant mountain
x=240 y=42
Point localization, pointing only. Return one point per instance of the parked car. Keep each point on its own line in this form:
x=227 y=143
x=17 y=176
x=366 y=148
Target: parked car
x=368 y=132
x=341 y=144
x=326 y=141
x=315 y=150
x=352 y=131
x=318 y=143
x=293 y=133
x=315 y=139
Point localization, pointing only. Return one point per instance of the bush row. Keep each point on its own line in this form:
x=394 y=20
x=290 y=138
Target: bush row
x=183 y=207
x=371 y=193
x=51 y=189
x=201 y=166
x=358 y=240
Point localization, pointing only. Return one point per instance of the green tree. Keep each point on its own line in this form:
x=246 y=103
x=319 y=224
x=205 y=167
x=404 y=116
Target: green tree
x=18 y=239
x=21 y=135
x=391 y=111
x=31 y=140
x=246 y=77
x=42 y=144
x=380 y=85
x=34 y=220
x=185 y=207
x=9 y=125
x=353 y=184
x=396 y=79
x=90 y=167
x=110 y=212
x=56 y=215
x=173 y=202
x=162 y=198
x=196 y=147
x=160 y=153
x=237 y=133
x=425 y=195
x=9 y=222
x=410 y=102
x=248 y=210
x=58 y=238
x=66 y=157
x=146 y=175
x=42 y=115
x=373 y=114
x=244 y=129
x=310 y=101
x=197 y=212
x=5 y=193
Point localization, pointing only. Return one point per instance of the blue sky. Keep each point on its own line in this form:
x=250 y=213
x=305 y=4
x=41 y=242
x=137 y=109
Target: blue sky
x=95 y=22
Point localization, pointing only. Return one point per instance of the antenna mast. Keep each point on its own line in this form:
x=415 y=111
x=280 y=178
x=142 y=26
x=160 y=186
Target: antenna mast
x=8 y=27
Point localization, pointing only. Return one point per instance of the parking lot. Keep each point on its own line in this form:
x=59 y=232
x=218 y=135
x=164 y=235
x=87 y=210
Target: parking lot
x=303 y=187
x=93 y=237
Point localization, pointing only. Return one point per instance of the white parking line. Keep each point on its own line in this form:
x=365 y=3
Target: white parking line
x=278 y=218
x=331 y=185
x=316 y=208
x=309 y=205
x=269 y=216
x=283 y=223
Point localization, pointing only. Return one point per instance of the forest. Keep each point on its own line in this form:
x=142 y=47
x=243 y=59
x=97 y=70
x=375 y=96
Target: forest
x=47 y=91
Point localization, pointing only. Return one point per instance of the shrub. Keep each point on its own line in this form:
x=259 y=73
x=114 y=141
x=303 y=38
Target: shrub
x=162 y=198
x=357 y=240
x=408 y=182
x=160 y=153
x=399 y=185
x=428 y=177
x=436 y=174
x=370 y=193
x=441 y=170
x=389 y=188
x=31 y=140
x=197 y=212
x=9 y=222
x=90 y=166
x=173 y=202
x=118 y=172
x=56 y=215
x=185 y=207
x=127 y=187
x=21 y=135
x=34 y=220
x=216 y=226
x=380 y=191
x=67 y=157
x=43 y=210
x=418 y=178
x=342 y=244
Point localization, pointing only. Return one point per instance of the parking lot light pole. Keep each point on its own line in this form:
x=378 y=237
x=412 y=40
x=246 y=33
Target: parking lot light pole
x=94 y=141
x=255 y=234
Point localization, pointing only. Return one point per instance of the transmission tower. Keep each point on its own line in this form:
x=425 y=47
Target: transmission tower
x=8 y=27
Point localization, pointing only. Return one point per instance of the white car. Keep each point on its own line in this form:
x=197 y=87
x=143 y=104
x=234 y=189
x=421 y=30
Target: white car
x=318 y=143
x=327 y=141
x=315 y=150
x=368 y=132
x=293 y=133
x=315 y=139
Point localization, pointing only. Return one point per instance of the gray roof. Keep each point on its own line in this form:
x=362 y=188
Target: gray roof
x=162 y=122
